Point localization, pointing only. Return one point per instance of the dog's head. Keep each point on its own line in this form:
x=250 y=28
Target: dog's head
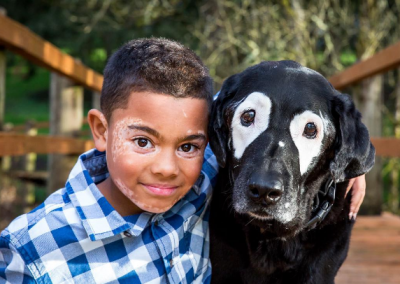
x=283 y=130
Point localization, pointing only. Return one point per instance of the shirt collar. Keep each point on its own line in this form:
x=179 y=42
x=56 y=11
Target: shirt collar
x=99 y=218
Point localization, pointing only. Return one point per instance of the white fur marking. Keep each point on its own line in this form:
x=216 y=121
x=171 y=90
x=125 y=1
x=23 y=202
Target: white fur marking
x=243 y=136
x=308 y=148
x=281 y=144
x=303 y=69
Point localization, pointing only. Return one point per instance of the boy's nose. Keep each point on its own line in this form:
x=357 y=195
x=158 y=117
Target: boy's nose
x=165 y=164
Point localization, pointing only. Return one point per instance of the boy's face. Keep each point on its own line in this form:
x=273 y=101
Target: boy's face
x=155 y=148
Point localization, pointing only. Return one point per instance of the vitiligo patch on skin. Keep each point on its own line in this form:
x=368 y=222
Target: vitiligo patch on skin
x=243 y=136
x=121 y=143
x=308 y=147
x=133 y=196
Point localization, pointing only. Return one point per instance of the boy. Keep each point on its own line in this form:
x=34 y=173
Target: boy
x=134 y=210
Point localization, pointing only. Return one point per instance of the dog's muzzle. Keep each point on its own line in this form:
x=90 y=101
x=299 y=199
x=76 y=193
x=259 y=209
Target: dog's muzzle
x=265 y=189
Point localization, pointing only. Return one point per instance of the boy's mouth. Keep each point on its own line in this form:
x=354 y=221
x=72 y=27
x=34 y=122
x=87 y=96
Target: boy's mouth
x=161 y=189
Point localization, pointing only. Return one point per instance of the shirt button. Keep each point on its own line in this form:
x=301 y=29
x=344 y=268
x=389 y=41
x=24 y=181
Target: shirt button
x=127 y=234
x=171 y=262
x=156 y=223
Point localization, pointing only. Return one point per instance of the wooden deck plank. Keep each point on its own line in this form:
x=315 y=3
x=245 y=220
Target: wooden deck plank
x=374 y=255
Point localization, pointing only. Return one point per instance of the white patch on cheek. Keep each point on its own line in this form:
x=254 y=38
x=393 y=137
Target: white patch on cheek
x=281 y=144
x=308 y=148
x=243 y=136
x=121 y=144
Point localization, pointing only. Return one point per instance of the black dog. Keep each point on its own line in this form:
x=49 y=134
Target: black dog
x=286 y=142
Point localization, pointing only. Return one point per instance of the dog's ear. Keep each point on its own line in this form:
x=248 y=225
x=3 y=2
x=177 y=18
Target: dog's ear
x=218 y=128
x=354 y=153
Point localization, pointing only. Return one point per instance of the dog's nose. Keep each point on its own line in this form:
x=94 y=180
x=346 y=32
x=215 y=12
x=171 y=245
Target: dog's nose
x=266 y=191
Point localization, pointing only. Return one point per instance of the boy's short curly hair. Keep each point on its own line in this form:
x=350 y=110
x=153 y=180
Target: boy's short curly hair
x=156 y=65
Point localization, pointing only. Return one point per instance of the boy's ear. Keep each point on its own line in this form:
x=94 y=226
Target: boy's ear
x=98 y=125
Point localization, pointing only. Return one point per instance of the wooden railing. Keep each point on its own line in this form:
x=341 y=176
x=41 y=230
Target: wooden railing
x=380 y=63
x=20 y=40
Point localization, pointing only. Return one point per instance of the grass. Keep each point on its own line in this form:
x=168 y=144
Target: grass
x=27 y=98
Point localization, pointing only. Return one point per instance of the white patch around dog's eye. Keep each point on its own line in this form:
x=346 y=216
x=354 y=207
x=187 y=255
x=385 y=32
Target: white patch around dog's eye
x=250 y=119
x=309 y=146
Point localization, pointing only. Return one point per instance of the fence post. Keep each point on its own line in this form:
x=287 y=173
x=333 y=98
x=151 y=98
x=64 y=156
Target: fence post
x=394 y=188
x=66 y=115
x=2 y=86
x=2 y=77
x=369 y=102
x=29 y=166
x=4 y=161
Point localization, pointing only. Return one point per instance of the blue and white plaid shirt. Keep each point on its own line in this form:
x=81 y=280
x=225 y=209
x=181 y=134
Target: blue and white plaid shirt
x=76 y=236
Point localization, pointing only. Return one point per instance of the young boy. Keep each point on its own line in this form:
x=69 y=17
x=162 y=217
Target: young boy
x=134 y=210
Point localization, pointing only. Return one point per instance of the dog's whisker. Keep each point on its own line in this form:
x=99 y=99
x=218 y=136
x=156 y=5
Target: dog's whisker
x=250 y=221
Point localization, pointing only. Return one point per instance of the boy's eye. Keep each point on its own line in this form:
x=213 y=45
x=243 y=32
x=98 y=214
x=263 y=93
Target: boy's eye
x=143 y=143
x=187 y=148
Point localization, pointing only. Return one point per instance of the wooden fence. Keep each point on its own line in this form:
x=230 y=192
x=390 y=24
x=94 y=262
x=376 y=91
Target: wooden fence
x=20 y=40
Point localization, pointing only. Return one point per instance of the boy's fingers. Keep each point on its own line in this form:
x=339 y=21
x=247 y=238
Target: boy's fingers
x=350 y=185
x=357 y=195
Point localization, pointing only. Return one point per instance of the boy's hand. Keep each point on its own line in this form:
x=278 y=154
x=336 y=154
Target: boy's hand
x=357 y=194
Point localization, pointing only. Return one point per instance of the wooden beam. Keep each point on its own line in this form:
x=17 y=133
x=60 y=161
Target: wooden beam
x=381 y=62
x=22 y=41
x=39 y=125
x=387 y=147
x=20 y=144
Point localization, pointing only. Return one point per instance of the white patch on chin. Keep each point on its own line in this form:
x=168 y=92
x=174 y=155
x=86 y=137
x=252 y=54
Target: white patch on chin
x=243 y=136
x=308 y=148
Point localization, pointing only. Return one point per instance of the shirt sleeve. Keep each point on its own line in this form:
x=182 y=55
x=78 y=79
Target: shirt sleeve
x=12 y=266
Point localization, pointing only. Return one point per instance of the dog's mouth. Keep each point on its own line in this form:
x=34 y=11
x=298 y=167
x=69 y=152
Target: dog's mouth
x=260 y=216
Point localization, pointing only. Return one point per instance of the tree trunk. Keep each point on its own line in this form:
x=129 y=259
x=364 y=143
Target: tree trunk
x=2 y=85
x=369 y=103
x=394 y=189
x=66 y=115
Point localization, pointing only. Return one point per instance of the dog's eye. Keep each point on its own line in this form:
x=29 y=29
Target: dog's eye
x=247 y=117
x=310 y=130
